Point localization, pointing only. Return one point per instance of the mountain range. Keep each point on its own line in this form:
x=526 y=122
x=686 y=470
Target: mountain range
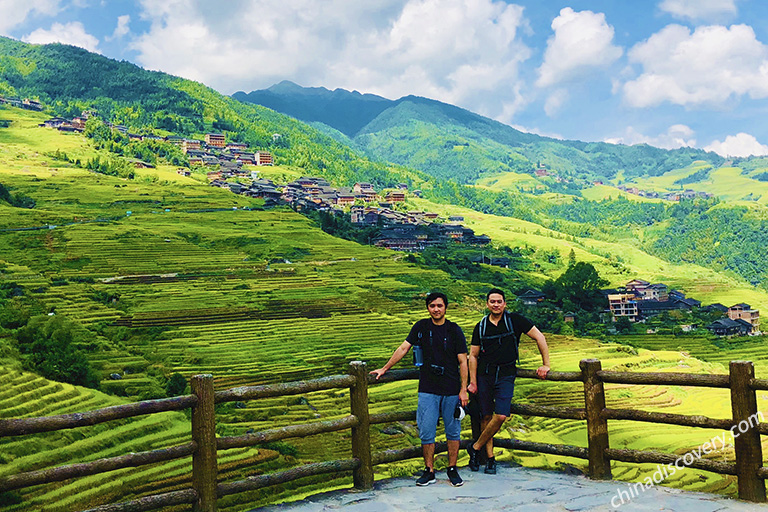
x=450 y=142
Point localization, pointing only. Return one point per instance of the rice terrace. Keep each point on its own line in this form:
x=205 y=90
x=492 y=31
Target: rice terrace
x=194 y=287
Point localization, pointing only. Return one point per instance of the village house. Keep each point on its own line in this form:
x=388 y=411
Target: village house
x=78 y=123
x=657 y=291
x=215 y=140
x=364 y=216
x=54 y=122
x=188 y=145
x=623 y=304
x=402 y=237
x=729 y=327
x=345 y=197
x=246 y=158
x=745 y=312
x=716 y=307
x=31 y=104
x=264 y=158
x=531 y=297
x=395 y=196
x=364 y=191
x=140 y=164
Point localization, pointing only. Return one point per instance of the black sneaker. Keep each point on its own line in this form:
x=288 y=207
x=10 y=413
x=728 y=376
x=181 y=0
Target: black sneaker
x=453 y=476
x=426 y=478
x=474 y=464
x=490 y=467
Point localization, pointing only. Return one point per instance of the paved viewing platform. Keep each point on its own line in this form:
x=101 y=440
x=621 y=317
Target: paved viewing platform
x=514 y=488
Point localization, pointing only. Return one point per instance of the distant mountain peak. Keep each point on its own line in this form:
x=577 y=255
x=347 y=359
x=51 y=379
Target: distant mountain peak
x=286 y=87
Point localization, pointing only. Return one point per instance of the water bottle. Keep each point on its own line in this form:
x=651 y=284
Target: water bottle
x=418 y=356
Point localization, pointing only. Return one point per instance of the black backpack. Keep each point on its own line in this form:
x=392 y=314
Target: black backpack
x=498 y=338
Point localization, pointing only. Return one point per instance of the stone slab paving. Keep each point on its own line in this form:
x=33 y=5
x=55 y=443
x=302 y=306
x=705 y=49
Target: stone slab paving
x=513 y=488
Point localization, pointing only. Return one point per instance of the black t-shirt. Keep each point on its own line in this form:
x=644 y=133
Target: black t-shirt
x=441 y=345
x=495 y=353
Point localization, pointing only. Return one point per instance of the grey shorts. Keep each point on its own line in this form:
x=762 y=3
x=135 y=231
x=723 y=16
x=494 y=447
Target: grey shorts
x=429 y=410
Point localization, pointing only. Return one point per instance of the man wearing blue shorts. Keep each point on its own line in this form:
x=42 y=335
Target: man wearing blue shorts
x=443 y=380
x=493 y=360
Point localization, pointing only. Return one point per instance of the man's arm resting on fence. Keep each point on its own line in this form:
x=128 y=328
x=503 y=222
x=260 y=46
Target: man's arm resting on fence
x=541 y=342
x=396 y=357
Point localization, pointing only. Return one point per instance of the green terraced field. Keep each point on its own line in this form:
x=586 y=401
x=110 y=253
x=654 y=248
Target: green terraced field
x=256 y=296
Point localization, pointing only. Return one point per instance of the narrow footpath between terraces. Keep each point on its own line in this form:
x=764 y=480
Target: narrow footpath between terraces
x=514 y=488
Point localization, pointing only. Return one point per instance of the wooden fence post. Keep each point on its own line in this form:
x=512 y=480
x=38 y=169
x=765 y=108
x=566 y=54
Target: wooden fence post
x=204 y=464
x=362 y=477
x=749 y=453
x=597 y=425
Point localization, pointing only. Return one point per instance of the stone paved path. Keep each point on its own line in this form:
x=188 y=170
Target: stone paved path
x=524 y=489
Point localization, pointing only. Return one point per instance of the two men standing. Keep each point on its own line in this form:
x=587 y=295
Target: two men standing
x=443 y=379
x=448 y=374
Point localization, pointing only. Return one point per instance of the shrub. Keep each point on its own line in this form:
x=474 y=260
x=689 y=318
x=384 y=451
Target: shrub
x=176 y=385
x=48 y=343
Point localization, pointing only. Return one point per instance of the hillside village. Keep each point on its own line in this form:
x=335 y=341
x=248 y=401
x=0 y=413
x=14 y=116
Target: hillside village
x=639 y=300
x=361 y=204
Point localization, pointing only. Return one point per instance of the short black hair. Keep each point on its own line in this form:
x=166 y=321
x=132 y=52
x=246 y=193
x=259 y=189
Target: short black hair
x=436 y=295
x=496 y=290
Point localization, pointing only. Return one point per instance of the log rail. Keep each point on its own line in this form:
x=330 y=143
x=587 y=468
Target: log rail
x=204 y=445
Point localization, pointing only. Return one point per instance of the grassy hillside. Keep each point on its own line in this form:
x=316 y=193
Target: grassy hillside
x=70 y=80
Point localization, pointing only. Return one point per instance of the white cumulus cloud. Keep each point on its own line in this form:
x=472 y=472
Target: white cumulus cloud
x=555 y=101
x=741 y=145
x=582 y=42
x=72 y=33
x=14 y=12
x=696 y=10
x=707 y=67
x=676 y=136
x=465 y=52
x=122 y=27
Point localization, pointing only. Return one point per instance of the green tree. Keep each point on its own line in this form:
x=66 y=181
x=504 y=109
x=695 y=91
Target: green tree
x=580 y=285
x=176 y=385
x=48 y=345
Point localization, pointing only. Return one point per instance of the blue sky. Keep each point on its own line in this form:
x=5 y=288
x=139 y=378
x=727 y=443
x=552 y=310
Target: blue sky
x=669 y=73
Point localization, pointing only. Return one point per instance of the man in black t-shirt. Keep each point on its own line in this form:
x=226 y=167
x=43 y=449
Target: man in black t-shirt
x=443 y=380
x=492 y=369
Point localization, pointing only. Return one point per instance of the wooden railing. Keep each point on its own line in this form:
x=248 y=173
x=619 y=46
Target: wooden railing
x=204 y=446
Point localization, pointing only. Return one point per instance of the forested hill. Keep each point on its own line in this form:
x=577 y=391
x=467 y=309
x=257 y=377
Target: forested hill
x=69 y=80
x=447 y=141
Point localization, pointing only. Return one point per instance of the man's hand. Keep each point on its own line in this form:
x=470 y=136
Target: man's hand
x=378 y=373
x=472 y=388
x=464 y=398
x=542 y=371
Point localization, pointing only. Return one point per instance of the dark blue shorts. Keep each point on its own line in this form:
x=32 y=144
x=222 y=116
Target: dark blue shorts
x=495 y=395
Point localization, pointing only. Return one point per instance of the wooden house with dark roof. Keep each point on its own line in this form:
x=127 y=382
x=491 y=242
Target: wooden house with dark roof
x=531 y=297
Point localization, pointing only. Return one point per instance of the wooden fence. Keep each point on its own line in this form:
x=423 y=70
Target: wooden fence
x=204 y=446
